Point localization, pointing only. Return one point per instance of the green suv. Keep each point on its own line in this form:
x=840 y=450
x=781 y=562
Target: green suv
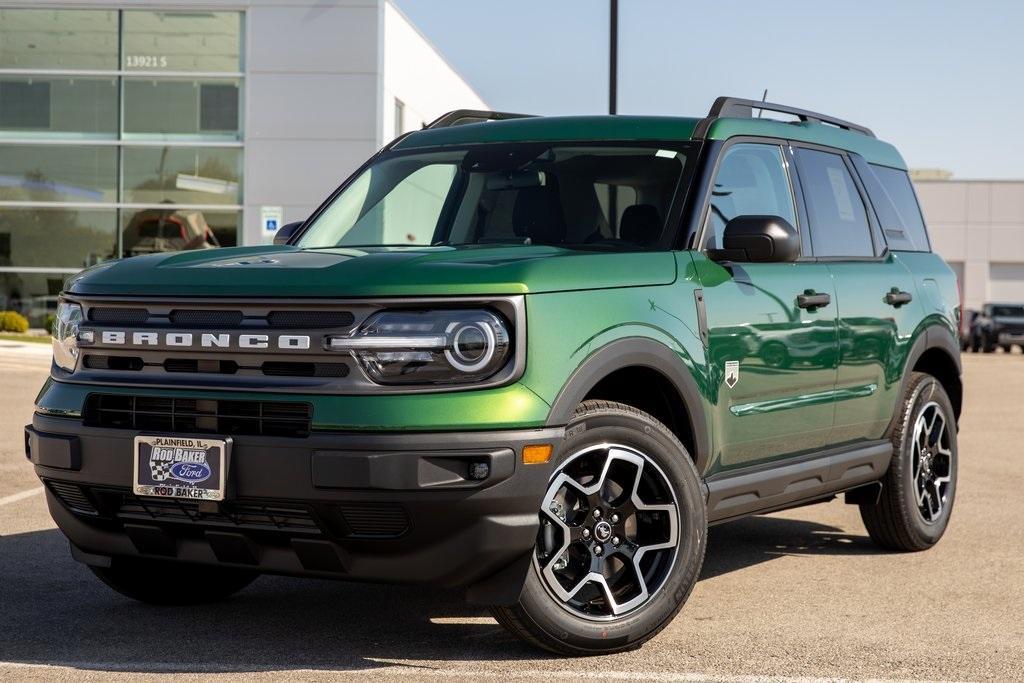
x=532 y=358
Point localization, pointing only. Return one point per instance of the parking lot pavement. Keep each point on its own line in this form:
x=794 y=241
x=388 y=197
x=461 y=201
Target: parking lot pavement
x=799 y=594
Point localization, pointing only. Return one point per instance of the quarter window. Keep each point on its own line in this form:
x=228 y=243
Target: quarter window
x=751 y=181
x=908 y=234
x=838 y=220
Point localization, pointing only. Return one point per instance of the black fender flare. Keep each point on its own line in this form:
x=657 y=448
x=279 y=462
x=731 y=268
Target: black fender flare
x=636 y=352
x=931 y=337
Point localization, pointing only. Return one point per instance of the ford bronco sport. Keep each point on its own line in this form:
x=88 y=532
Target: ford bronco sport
x=529 y=357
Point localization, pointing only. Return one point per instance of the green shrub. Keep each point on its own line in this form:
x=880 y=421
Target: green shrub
x=50 y=320
x=12 y=321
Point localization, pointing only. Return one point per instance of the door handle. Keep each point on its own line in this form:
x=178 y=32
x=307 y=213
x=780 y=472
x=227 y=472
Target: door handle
x=811 y=300
x=897 y=298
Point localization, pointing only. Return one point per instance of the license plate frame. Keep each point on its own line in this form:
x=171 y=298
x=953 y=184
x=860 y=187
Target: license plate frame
x=180 y=467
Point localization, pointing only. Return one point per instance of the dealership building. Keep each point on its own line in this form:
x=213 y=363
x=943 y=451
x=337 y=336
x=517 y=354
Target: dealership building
x=133 y=127
x=978 y=227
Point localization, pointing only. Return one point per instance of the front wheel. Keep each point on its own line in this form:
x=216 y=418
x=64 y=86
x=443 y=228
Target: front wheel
x=159 y=582
x=623 y=530
x=920 y=486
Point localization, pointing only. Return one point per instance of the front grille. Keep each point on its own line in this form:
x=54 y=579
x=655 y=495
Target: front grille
x=217 y=367
x=73 y=497
x=356 y=520
x=375 y=520
x=292 y=369
x=206 y=318
x=186 y=415
x=310 y=319
x=252 y=516
x=95 y=361
x=119 y=316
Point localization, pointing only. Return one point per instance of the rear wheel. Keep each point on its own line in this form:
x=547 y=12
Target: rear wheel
x=920 y=486
x=622 y=537
x=171 y=583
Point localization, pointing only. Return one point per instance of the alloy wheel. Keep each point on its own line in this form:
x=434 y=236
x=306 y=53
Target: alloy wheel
x=932 y=462
x=609 y=532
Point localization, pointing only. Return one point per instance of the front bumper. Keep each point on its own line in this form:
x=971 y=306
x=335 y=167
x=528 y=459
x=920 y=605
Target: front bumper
x=1011 y=338
x=395 y=507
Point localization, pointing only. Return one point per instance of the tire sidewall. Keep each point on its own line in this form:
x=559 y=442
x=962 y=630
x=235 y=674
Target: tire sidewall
x=926 y=391
x=648 y=437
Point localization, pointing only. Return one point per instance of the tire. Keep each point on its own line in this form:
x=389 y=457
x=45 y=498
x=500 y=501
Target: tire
x=899 y=520
x=776 y=355
x=1007 y=348
x=987 y=345
x=623 y=437
x=157 y=582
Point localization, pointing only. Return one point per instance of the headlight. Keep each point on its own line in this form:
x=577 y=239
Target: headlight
x=429 y=347
x=65 y=335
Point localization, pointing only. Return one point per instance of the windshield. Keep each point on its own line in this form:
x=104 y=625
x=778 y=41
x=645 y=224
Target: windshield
x=1008 y=311
x=580 y=196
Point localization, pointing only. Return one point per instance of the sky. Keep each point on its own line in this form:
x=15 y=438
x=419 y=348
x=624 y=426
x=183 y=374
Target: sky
x=943 y=80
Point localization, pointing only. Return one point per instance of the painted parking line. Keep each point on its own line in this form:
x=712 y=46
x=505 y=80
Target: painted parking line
x=14 y=498
x=423 y=671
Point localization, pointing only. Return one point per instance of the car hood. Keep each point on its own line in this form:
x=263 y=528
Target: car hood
x=281 y=271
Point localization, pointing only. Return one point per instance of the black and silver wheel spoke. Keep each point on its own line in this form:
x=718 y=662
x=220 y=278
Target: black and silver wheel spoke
x=932 y=462
x=609 y=531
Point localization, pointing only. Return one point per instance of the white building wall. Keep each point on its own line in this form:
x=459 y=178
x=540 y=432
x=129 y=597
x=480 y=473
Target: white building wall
x=312 y=84
x=415 y=73
x=978 y=227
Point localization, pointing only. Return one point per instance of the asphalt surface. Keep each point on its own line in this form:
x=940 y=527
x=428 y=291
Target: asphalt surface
x=799 y=595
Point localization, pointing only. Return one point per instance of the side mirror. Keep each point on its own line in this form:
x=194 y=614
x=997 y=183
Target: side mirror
x=285 y=232
x=758 y=239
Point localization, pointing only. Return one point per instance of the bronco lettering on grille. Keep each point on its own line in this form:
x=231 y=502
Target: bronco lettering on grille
x=291 y=342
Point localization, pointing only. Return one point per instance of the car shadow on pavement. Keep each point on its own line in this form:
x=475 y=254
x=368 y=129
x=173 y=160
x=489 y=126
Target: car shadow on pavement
x=55 y=612
x=753 y=540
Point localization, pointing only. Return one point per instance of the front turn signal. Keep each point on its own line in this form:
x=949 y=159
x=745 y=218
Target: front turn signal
x=536 y=454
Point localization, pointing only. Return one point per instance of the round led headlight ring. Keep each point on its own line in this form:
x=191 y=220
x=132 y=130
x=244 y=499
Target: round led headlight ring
x=472 y=346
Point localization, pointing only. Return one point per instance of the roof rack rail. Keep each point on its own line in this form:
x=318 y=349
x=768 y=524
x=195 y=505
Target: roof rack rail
x=736 y=107
x=461 y=117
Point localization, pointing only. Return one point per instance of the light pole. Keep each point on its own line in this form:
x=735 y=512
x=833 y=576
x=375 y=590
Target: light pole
x=613 y=57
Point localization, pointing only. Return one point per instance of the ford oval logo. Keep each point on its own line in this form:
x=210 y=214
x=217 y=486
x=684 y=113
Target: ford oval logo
x=192 y=472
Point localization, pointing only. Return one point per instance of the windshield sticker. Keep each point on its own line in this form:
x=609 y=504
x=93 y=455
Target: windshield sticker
x=842 y=194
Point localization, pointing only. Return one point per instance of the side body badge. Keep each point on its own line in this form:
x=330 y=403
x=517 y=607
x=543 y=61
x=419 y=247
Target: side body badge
x=732 y=373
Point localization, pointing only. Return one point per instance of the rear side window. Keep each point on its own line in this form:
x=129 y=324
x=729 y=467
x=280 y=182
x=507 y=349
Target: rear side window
x=902 y=222
x=839 y=221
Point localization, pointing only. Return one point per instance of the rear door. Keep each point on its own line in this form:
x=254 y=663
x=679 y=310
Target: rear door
x=876 y=297
x=773 y=363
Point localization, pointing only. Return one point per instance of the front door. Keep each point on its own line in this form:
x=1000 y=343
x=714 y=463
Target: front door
x=773 y=361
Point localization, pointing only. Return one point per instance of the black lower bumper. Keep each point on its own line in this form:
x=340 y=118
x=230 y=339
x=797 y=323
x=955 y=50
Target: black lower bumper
x=375 y=507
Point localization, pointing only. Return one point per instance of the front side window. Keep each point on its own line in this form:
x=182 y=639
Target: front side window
x=838 y=219
x=751 y=181
x=576 y=196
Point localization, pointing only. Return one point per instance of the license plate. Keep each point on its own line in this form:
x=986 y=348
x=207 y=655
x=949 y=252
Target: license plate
x=180 y=467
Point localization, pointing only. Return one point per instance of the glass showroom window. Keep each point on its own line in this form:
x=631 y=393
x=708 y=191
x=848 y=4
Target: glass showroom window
x=120 y=134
